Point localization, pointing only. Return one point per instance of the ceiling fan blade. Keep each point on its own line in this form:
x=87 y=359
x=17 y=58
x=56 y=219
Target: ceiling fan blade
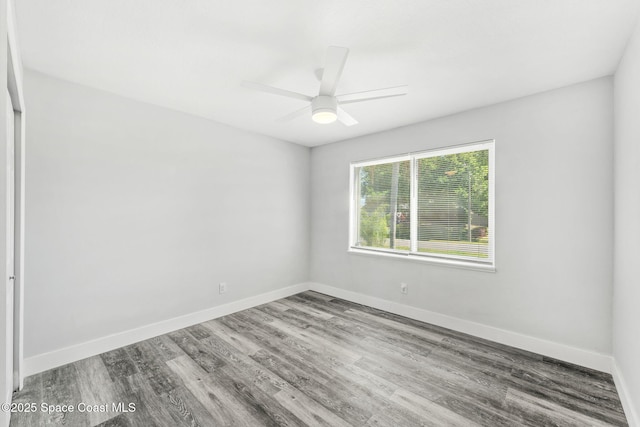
x=346 y=118
x=333 y=66
x=295 y=114
x=276 y=91
x=372 y=94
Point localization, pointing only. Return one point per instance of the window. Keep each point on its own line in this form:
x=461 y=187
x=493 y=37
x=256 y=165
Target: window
x=433 y=205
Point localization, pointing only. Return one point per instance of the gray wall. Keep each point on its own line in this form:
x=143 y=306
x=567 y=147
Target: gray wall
x=554 y=217
x=626 y=315
x=135 y=214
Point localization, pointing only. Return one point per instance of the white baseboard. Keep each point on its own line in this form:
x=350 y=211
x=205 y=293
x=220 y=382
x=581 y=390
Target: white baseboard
x=43 y=362
x=601 y=362
x=578 y=356
x=621 y=386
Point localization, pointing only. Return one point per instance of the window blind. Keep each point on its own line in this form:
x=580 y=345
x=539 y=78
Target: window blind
x=433 y=204
x=453 y=205
x=384 y=205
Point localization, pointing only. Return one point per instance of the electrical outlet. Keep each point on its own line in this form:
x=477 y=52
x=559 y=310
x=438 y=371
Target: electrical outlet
x=223 y=287
x=404 y=288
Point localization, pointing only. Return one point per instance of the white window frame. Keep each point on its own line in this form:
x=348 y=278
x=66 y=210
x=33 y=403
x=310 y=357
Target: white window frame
x=413 y=254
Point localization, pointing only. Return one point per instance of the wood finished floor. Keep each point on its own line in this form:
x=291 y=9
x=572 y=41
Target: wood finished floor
x=314 y=360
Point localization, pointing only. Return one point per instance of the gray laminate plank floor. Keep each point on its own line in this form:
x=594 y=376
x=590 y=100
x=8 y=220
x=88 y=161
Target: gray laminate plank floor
x=311 y=359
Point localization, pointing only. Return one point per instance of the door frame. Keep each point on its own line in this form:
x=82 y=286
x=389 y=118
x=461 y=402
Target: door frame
x=16 y=93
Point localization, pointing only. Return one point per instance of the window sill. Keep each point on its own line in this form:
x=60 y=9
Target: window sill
x=489 y=268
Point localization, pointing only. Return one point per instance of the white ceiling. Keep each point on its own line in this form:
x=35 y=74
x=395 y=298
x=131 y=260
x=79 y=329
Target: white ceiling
x=454 y=54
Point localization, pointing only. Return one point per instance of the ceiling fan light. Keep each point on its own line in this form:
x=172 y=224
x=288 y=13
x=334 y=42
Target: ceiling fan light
x=324 y=109
x=324 y=116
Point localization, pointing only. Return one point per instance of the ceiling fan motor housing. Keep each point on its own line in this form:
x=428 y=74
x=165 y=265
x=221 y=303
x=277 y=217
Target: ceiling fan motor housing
x=324 y=109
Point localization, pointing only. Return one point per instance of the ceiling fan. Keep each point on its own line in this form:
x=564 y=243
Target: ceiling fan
x=326 y=106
